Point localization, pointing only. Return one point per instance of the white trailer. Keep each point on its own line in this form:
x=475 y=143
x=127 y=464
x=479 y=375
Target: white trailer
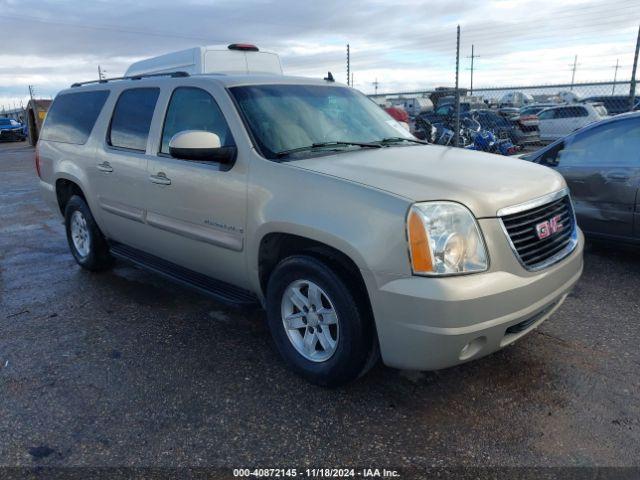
x=237 y=58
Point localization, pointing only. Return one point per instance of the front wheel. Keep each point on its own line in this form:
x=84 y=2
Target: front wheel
x=319 y=325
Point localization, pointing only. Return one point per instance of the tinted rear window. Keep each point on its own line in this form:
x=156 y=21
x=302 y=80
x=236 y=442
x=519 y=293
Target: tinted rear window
x=72 y=116
x=132 y=118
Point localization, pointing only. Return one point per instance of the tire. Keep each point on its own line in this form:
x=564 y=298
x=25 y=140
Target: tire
x=89 y=248
x=340 y=362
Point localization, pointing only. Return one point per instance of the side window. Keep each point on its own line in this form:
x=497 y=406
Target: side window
x=579 y=112
x=131 y=118
x=192 y=108
x=550 y=157
x=73 y=115
x=612 y=144
x=546 y=114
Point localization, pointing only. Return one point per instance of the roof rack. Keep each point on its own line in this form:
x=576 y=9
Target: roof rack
x=133 y=77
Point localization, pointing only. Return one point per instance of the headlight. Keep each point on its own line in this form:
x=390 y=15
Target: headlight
x=444 y=239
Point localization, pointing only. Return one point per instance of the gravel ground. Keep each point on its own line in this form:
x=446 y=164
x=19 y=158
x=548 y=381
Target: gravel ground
x=125 y=369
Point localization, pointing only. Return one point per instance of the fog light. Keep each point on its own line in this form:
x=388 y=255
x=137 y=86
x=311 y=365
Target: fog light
x=472 y=348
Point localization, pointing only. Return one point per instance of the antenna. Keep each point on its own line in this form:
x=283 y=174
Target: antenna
x=329 y=77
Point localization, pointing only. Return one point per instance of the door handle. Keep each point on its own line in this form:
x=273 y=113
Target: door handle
x=617 y=176
x=105 y=167
x=160 y=178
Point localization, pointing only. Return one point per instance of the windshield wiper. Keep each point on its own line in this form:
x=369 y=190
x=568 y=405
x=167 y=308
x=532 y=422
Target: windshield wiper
x=401 y=139
x=313 y=146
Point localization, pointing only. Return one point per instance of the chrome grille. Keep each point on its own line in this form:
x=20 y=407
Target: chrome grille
x=525 y=226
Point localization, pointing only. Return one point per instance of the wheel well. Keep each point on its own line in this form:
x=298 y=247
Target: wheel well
x=65 y=189
x=275 y=247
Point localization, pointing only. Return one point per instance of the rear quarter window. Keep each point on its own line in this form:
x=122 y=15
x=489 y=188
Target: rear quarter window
x=72 y=116
x=132 y=117
x=600 y=110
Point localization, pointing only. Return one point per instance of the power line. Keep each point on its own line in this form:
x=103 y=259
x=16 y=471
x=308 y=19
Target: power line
x=104 y=27
x=513 y=26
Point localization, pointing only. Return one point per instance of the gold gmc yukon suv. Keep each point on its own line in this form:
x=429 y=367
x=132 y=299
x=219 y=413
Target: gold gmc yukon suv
x=302 y=195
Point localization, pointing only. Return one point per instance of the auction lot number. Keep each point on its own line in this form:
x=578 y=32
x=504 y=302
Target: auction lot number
x=315 y=472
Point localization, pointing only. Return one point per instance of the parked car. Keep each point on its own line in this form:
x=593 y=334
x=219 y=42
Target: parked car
x=11 y=131
x=615 y=104
x=601 y=164
x=413 y=106
x=508 y=112
x=560 y=121
x=398 y=114
x=303 y=196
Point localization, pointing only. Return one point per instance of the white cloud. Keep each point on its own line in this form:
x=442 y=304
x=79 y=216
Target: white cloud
x=405 y=45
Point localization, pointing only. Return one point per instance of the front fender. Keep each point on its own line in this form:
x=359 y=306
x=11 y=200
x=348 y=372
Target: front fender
x=365 y=224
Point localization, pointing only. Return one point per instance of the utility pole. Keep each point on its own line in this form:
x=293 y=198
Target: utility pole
x=101 y=73
x=33 y=137
x=456 y=133
x=472 y=57
x=348 y=65
x=632 y=88
x=375 y=84
x=352 y=84
x=573 y=74
x=615 y=76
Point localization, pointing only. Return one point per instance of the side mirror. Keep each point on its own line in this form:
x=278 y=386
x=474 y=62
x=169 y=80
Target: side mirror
x=201 y=146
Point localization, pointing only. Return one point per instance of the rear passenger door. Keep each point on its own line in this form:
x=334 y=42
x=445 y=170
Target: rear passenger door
x=197 y=209
x=548 y=124
x=120 y=170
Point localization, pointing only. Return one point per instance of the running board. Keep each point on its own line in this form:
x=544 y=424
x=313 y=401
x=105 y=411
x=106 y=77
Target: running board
x=221 y=291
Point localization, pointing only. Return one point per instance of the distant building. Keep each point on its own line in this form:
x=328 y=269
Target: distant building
x=35 y=114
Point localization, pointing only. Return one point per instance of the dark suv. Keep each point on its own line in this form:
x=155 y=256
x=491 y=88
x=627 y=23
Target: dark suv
x=615 y=104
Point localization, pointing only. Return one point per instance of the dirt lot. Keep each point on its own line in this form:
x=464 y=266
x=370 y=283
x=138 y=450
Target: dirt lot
x=125 y=369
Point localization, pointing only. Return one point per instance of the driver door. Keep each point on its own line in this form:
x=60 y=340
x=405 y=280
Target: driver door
x=196 y=209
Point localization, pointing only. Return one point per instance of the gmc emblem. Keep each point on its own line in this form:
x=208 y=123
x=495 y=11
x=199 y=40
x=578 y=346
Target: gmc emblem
x=549 y=227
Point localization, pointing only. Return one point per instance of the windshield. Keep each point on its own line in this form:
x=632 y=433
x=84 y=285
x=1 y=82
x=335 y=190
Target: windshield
x=282 y=118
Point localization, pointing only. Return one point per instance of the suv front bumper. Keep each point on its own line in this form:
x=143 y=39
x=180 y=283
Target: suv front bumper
x=429 y=323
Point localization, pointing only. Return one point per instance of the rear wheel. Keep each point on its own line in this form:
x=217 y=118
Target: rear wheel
x=319 y=325
x=86 y=242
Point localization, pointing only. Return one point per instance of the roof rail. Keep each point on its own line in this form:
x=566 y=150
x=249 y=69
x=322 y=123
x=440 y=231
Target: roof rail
x=133 y=77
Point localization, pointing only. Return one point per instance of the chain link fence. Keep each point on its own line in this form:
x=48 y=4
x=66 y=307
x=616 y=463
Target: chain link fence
x=507 y=119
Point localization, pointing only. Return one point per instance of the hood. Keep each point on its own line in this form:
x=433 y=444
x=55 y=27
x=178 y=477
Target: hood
x=483 y=182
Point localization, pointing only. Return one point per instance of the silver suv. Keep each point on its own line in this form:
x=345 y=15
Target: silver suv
x=303 y=196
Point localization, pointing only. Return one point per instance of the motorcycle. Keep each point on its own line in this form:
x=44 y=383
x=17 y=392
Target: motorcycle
x=486 y=141
x=471 y=136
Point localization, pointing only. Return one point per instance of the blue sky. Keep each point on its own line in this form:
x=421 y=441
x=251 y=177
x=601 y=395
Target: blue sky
x=405 y=45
